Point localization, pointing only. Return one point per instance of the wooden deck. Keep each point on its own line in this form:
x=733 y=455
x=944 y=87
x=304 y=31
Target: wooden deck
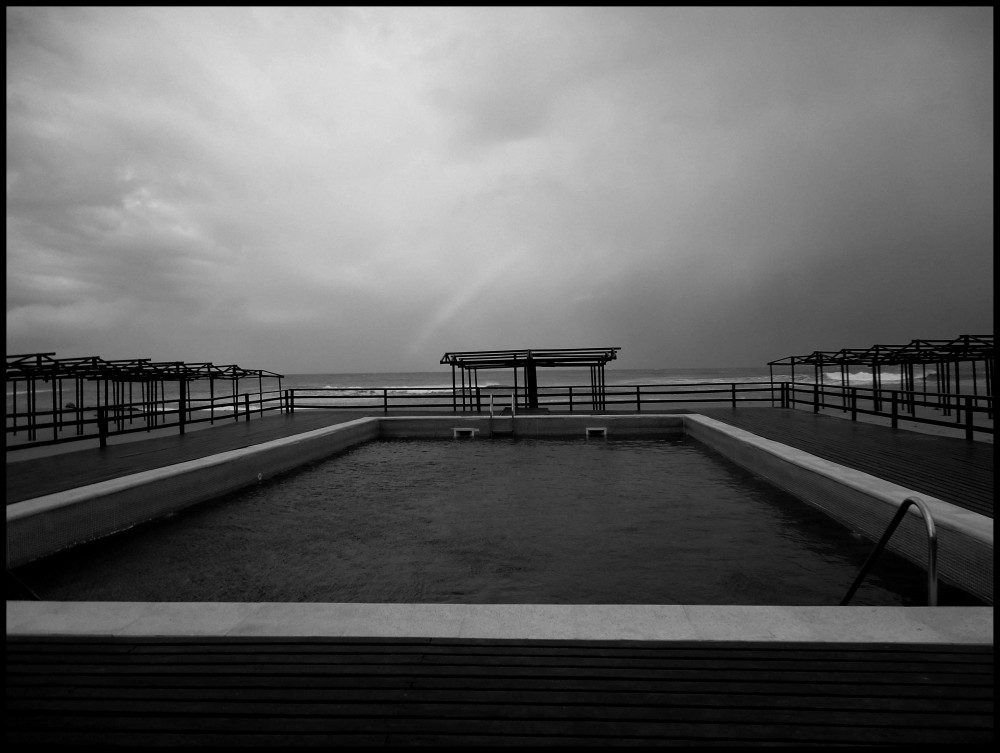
x=48 y=474
x=953 y=470
x=293 y=692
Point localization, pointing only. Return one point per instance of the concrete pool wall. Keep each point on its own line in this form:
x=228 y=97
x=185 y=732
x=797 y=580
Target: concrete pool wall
x=42 y=526
x=864 y=503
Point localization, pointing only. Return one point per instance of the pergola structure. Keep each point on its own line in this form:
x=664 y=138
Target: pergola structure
x=529 y=361
x=114 y=381
x=943 y=356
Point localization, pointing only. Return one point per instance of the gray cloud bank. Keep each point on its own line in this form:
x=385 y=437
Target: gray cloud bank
x=359 y=190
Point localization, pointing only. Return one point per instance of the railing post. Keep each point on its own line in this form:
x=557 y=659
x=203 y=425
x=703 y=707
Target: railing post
x=854 y=403
x=246 y=404
x=734 y=395
x=895 y=410
x=816 y=398
x=102 y=425
x=181 y=417
x=291 y=401
x=385 y=400
x=968 y=417
x=638 y=399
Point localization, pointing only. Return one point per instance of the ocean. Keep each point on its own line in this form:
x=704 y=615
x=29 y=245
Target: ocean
x=367 y=387
x=547 y=377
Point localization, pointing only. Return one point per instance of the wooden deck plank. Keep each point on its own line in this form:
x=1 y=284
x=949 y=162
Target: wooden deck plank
x=449 y=664
x=303 y=685
x=456 y=691
x=816 y=730
x=514 y=696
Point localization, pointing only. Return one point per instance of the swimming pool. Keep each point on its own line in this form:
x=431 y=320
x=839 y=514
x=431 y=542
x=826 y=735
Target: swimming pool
x=529 y=521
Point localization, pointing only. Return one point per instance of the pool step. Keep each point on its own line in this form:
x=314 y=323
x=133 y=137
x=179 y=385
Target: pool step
x=502 y=426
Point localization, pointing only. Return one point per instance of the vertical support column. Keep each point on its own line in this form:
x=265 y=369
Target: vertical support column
x=531 y=382
x=843 y=388
x=958 y=398
x=56 y=407
x=32 y=406
x=14 y=405
x=102 y=426
x=593 y=390
x=877 y=384
x=454 y=398
x=463 y=389
x=514 y=398
x=988 y=369
x=81 y=396
x=946 y=388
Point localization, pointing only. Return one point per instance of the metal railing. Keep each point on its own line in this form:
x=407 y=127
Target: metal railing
x=932 y=579
x=71 y=423
x=953 y=411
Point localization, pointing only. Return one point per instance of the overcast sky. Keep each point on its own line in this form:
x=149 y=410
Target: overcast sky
x=336 y=190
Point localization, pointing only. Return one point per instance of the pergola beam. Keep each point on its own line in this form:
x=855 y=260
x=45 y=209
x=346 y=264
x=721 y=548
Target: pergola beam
x=530 y=360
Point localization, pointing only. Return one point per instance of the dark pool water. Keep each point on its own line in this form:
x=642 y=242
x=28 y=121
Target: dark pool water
x=493 y=521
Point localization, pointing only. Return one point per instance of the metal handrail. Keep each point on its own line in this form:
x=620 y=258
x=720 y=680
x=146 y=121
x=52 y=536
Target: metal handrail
x=932 y=580
x=17 y=586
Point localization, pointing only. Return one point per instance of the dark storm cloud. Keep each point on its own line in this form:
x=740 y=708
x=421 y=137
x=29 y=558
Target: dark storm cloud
x=700 y=186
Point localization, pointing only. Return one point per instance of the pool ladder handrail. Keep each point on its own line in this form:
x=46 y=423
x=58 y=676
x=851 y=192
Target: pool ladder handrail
x=932 y=579
x=18 y=586
x=513 y=406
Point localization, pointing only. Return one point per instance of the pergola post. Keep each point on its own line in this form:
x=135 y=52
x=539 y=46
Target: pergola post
x=531 y=381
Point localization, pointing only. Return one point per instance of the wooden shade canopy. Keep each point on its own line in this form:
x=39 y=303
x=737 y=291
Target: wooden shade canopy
x=530 y=360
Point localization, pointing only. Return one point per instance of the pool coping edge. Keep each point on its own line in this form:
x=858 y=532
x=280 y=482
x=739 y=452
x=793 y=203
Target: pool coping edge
x=768 y=624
